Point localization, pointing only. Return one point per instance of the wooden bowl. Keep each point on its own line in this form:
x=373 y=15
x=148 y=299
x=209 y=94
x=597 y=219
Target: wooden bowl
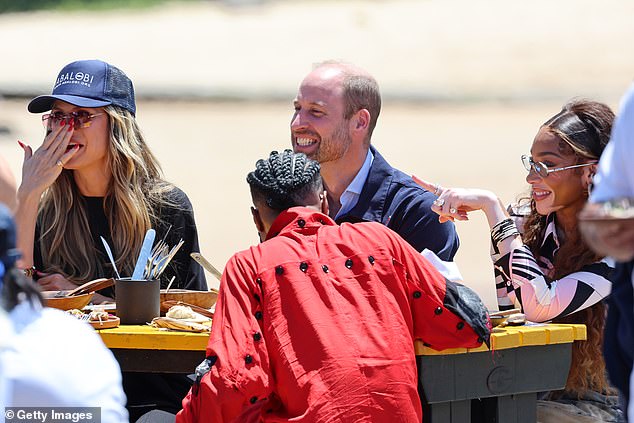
x=66 y=303
x=204 y=299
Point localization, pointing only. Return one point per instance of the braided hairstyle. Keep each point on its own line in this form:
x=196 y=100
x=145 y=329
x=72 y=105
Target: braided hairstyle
x=285 y=180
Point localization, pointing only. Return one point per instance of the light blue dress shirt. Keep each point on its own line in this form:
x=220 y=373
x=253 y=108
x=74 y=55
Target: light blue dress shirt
x=351 y=195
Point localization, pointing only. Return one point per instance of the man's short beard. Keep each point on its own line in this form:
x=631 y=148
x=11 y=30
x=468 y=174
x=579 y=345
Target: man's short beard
x=334 y=147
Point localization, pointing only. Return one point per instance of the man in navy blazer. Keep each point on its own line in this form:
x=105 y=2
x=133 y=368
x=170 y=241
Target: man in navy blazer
x=336 y=110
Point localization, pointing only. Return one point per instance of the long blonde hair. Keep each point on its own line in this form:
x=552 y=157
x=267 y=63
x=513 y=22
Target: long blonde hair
x=135 y=192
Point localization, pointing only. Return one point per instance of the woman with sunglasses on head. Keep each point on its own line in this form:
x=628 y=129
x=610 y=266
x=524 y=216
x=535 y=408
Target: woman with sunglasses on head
x=539 y=257
x=94 y=176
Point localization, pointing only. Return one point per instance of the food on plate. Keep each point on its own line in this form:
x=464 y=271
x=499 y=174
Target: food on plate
x=98 y=316
x=178 y=324
x=516 y=319
x=181 y=312
x=75 y=312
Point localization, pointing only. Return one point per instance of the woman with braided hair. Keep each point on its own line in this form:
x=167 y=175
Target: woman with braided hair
x=539 y=257
x=299 y=327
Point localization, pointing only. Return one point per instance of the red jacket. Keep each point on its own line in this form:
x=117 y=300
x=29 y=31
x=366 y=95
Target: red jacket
x=317 y=324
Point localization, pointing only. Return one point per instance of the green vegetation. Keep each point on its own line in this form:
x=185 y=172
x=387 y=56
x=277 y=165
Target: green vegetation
x=32 y=5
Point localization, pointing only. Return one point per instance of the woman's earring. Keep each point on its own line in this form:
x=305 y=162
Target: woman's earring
x=590 y=183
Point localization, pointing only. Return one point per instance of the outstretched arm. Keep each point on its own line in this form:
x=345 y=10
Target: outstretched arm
x=517 y=273
x=457 y=203
x=518 y=276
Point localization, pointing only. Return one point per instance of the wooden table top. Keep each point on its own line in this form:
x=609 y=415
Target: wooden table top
x=149 y=338
x=144 y=337
x=518 y=336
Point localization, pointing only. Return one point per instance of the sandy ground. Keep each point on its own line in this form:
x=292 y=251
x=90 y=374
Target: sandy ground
x=433 y=49
x=480 y=78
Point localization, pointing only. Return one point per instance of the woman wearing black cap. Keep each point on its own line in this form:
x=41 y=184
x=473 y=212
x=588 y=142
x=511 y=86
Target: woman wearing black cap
x=539 y=257
x=94 y=175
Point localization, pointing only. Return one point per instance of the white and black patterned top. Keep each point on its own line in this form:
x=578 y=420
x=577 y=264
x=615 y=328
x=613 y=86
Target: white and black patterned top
x=519 y=276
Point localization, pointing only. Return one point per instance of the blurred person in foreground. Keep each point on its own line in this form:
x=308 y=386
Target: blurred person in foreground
x=7 y=185
x=540 y=258
x=95 y=176
x=336 y=111
x=615 y=181
x=48 y=358
x=317 y=323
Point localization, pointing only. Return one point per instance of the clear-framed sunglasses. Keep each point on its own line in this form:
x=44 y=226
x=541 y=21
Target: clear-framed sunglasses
x=81 y=119
x=542 y=170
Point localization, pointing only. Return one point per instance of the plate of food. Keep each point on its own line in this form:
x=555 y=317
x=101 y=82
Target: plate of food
x=507 y=318
x=102 y=320
x=185 y=312
x=97 y=319
x=204 y=299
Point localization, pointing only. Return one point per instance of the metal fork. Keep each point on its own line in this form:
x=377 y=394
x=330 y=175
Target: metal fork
x=159 y=250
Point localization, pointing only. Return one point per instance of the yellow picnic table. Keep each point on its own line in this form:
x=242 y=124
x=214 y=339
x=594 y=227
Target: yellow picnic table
x=502 y=383
x=523 y=361
x=142 y=348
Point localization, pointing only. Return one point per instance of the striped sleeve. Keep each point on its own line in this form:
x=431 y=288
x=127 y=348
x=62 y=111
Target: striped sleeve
x=519 y=277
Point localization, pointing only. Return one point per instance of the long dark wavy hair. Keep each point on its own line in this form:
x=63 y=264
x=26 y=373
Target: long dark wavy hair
x=583 y=128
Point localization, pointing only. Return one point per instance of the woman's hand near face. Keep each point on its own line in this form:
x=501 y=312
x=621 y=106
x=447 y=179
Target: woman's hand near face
x=455 y=203
x=42 y=167
x=39 y=171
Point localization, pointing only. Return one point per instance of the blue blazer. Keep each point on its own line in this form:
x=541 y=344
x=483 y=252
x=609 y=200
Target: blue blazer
x=392 y=198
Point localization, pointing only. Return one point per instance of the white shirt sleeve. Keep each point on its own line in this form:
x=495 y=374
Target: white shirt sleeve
x=615 y=177
x=56 y=360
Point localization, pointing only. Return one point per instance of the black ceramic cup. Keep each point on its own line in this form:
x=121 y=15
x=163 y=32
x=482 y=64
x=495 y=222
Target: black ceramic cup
x=138 y=302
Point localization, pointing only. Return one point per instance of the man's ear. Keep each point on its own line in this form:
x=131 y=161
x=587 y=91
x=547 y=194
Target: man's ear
x=323 y=197
x=362 y=120
x=257 y=219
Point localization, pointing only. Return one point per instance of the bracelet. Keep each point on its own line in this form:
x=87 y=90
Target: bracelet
x=29 y=272
x=503 y=230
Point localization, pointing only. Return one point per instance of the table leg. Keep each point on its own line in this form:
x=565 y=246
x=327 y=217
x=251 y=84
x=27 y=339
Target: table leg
x=448 y=412
x=518 y=408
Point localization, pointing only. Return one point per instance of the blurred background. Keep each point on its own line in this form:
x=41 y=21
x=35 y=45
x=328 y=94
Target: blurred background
x=466 y=86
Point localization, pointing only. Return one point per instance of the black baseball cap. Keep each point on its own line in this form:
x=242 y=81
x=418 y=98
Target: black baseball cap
x=89 y=83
